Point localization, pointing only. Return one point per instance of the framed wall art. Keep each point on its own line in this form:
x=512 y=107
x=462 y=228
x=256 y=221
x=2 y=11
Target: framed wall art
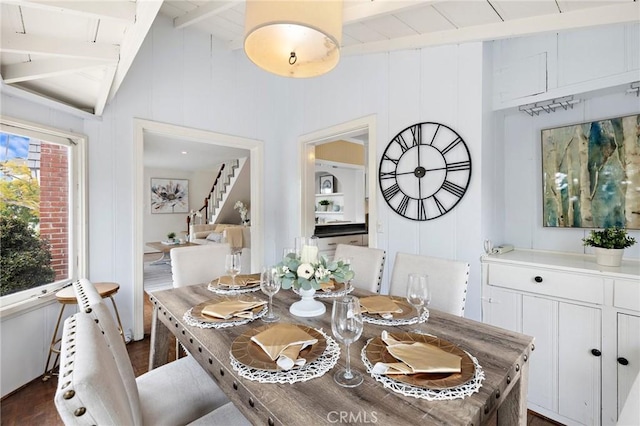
x=591 y=174
x=169 y=195
x=327 y=184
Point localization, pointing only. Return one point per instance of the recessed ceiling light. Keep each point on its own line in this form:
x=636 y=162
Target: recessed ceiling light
x=184 y=152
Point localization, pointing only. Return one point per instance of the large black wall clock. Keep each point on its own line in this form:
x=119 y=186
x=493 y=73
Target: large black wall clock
x=425 y=171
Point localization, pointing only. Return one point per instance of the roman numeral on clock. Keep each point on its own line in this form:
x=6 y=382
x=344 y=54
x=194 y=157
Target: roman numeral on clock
x=388 y=175
x=416 y=131
x=393 y=160
x=402 y=207
x=391 y=191
x=434 y=135
x=440 y=206
x=454 y=189
x=403 y=144
x=457 y=166
x=422 y=211
x=451 y=146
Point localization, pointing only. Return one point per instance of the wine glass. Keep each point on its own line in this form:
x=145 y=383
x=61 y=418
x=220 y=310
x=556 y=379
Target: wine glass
x=270 y=283
x=418 y=294
x=346 y=324
x=232 y=266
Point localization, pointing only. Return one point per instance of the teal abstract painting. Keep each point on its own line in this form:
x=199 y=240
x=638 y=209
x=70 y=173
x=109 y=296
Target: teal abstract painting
x=591 y=174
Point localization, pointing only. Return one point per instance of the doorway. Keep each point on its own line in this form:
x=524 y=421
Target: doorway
x=359 y=127
x=144 y=128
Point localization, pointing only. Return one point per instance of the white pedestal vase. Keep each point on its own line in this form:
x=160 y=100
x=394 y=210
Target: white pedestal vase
x=608 y=257
x=308 y=306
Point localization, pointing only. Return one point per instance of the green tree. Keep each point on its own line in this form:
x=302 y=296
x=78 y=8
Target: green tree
x=19 y=192
x=25 y=260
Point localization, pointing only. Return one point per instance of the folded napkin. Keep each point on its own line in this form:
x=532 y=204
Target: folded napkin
x=328 y=286
x=381 y=305
x=283 y=343
x=241 y=280
x=232 y=308
x=416 y=357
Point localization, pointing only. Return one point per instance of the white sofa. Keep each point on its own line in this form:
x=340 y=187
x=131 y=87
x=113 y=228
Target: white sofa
x=238 y=236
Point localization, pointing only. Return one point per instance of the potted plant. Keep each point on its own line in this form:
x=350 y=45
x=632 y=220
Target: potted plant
x=609 y=245
x=171 y=236
x=323 y=205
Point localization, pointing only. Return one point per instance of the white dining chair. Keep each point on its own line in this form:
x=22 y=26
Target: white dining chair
x=176 y=393
x=198 y=264
x=92 y=392
x=367 y=264
x=448 y=280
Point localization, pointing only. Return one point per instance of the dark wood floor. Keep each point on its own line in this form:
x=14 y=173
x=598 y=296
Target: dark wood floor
x=33 y=404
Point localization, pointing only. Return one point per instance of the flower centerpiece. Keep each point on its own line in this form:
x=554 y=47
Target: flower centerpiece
x=306 y=273
x=303 y=272
x=242 y=209
x=609 y=245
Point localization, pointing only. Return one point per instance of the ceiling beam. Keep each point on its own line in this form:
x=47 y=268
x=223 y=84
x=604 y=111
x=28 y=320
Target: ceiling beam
x=145 y=15
x=53 y=46
x=605 y=15
x=39 y=69
x=105 y=86
x=203 y=12
x=124 y=11
x=41 y=99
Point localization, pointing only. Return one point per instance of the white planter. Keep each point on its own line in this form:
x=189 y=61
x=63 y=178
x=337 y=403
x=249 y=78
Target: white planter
x=608 y=257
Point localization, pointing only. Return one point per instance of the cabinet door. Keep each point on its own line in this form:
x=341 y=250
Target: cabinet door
x=500 y=308
x=579 y=366
x=540 y=320
x=629 y=349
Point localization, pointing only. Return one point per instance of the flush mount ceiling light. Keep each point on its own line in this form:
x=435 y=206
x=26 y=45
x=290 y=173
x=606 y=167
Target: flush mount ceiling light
x=298 y=38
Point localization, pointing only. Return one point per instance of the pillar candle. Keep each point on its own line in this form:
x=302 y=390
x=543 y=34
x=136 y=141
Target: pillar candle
x=309 y=254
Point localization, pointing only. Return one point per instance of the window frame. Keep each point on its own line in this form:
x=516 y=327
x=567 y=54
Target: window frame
x=78 y=247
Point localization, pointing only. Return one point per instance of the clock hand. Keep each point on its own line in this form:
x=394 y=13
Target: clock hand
x=426 y=170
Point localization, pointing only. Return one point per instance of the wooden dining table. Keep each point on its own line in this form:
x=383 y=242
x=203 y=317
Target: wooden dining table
x=502 y=354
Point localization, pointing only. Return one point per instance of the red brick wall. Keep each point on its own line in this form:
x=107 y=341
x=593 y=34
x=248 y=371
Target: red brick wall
x=54 y=199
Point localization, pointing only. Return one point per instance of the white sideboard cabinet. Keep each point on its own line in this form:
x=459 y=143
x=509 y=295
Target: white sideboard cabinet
x=586 y=322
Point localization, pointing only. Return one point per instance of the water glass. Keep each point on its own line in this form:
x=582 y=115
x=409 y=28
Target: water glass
x=270 y=283
x=346 y=261
x=232 y=266
x=300 y=242
x=288 y=250
x=418 y=294
x=346 y=325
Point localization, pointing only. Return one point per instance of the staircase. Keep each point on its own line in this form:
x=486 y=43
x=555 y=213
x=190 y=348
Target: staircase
x=220 y=190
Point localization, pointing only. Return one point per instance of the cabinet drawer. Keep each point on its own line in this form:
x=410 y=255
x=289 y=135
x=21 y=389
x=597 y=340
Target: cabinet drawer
x=330 y=243
x=551 y=283
x=626 y=294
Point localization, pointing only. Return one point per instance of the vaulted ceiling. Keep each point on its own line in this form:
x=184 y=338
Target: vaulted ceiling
x=77 y=53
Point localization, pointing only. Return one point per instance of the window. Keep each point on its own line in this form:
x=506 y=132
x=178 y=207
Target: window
x=42 y=208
